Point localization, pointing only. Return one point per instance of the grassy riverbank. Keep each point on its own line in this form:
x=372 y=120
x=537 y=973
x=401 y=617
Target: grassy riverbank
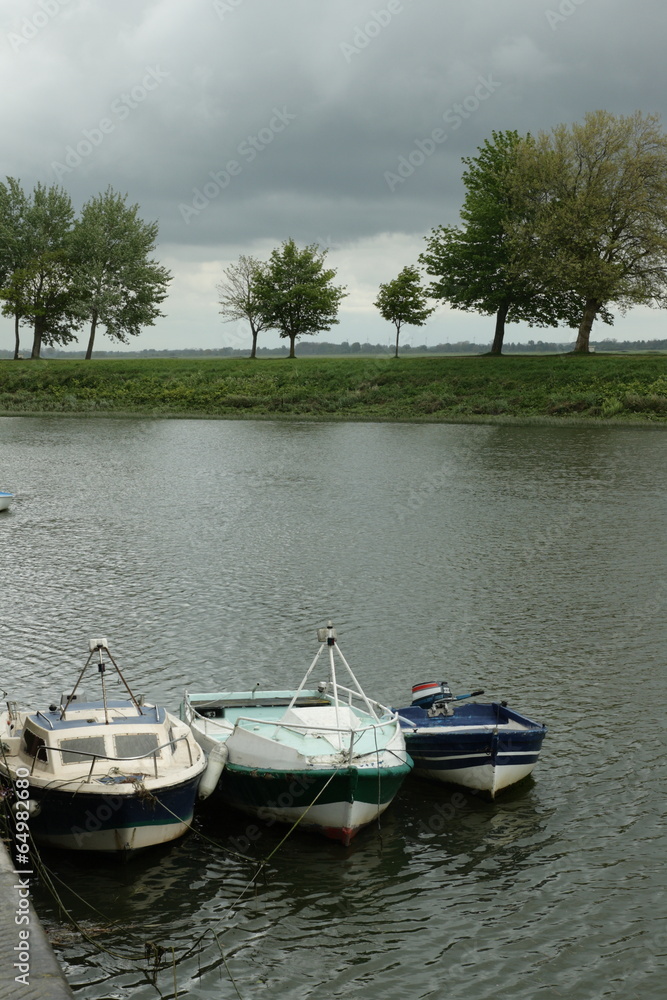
x=604 y=387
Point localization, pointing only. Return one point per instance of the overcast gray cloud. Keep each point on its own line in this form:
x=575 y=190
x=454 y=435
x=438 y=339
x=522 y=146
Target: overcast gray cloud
x=239 y=123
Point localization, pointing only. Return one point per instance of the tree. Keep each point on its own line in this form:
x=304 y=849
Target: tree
x=477 y=266
x=43 y=291
x=120 y=286
x=599 y=195
x=45 y=294
x=403 y=301
x=296 y=292
x=240 y=298
x=14 y=243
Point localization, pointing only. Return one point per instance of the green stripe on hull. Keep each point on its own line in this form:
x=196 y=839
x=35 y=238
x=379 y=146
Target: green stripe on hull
x=246 y=787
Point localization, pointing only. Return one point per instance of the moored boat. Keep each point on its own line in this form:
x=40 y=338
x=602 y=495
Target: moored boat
x=486 y=747
x=326 y=757
x=5 y=499
x=110 y=775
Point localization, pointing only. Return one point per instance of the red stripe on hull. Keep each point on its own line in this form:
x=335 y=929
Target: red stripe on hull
x=343 y=834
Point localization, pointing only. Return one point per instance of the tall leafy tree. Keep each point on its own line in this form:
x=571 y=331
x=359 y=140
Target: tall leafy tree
x=15 y=246
x=45 y=294
x=403 y=301
x=598 y=192
x=476 y=265
x=120 y=284
x=240 y=298
x=43 y=291
x=297 y=293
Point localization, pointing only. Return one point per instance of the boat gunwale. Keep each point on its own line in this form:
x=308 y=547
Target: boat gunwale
x=389 y=715
x=435 y=723
x=489 y=728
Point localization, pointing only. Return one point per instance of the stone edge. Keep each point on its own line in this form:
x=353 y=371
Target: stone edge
x=46 y=980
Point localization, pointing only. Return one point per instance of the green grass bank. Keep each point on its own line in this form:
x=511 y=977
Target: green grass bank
x=628 y=388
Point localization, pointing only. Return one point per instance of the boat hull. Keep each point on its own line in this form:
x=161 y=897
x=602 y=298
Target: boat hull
x=333 y=802
x=5 y=500
x=486 y=749
x=111 y=823
x=475 y=772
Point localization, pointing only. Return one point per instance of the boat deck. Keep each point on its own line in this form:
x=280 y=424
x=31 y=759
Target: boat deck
x=475 y=717
x=313 y=727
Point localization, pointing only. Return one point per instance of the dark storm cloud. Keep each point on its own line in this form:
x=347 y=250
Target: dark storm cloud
x=236 y=122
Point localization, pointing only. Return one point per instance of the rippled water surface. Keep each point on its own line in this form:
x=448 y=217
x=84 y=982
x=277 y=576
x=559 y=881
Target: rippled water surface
x=527 y=561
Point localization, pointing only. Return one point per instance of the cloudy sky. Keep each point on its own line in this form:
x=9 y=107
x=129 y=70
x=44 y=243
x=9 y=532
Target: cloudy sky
x=237 y=124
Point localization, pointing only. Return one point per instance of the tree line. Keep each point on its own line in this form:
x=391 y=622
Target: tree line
x=293 y=292
x=59 y=272
x=323 y=348
x=556 y=229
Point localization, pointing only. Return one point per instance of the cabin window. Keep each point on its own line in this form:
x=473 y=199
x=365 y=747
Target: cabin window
x=83 y=748
x=135 y=744
x=34 y=745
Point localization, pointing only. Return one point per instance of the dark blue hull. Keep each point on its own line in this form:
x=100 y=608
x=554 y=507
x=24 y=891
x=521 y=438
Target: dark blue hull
x=484 y=747
x=109 y=822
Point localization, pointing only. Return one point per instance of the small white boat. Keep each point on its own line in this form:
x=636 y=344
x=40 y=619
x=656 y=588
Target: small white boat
x=486 y=747
x=326 y=757
x=112 y=775
x=5 y=499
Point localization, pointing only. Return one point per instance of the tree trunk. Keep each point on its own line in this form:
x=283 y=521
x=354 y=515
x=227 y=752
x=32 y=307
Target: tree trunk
x=583 y=336
x=17 y=337
x=292 y=339
x=398 y=330
x=499 y=335
x=37 y=338
x=91 y=338
x=253 y=351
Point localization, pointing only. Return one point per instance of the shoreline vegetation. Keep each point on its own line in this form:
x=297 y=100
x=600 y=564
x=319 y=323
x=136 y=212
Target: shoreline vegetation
x=561 y=388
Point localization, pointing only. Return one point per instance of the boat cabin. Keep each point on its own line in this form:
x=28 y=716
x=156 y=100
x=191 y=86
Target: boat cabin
x=87 y=739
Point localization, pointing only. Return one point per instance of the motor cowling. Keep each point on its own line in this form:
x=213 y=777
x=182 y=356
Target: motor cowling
x=427 y=693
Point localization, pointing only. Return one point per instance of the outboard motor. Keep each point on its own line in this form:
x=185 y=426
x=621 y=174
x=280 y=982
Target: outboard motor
x=432 y=694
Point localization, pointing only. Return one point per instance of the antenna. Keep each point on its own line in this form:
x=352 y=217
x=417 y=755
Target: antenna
x=100 y=646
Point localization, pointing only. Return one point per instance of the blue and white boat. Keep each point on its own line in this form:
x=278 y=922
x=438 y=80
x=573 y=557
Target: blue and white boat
x=486 y=747
x=5 y=499
x=110 y=775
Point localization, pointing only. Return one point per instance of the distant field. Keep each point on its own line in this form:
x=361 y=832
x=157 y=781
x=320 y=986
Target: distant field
x=627 y=387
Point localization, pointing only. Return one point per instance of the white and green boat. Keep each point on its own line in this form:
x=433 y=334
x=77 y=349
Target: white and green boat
x=326 y=757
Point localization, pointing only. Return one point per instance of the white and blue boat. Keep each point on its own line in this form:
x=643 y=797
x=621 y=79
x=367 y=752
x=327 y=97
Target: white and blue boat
x=111 y=775
x=5 y=499
x=486 y=747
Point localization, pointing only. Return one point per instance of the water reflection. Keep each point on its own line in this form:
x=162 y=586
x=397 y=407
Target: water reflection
x=527 y=561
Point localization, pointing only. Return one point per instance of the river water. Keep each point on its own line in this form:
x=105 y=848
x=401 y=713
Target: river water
x=529 y=561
